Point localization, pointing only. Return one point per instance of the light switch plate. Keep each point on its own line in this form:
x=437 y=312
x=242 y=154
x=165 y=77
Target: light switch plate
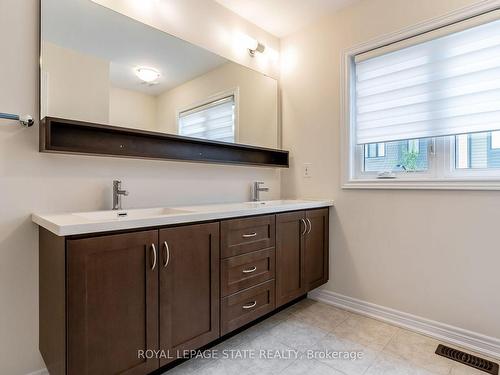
x=307 y=170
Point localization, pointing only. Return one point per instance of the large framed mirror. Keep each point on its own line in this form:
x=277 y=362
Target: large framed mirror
x=103 y=68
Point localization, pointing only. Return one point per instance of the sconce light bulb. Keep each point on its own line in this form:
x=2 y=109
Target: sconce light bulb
x=252 y=44
x=257 y=47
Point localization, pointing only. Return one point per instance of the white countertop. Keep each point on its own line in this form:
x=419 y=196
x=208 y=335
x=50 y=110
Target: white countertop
x=67 y=224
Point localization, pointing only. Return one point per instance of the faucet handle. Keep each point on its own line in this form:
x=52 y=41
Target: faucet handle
x=117 y=185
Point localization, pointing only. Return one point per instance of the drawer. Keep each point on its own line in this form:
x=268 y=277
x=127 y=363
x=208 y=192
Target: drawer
x=246 y=306
x=241 y=236
x=244 y=271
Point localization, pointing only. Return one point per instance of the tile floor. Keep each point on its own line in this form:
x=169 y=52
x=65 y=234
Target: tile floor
x=285 y=343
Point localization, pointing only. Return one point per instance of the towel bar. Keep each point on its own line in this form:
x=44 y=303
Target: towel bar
x=25 y=120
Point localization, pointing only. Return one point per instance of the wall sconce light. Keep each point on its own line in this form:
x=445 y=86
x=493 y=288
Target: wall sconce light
x=251 y=44
x=256 y=46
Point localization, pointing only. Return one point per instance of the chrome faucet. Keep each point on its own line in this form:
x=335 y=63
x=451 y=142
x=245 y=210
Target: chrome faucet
x=256 y=189
x=117 y=194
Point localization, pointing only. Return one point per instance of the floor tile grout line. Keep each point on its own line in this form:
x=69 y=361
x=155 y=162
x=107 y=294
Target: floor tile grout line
x=324 y=364
x=381 y=350
x=348 y=315
x=329 y=332
x=397 y=356
x=282 y=370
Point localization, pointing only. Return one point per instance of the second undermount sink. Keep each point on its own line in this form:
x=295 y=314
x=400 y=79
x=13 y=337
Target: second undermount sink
x=274 y=203
x=129 y=214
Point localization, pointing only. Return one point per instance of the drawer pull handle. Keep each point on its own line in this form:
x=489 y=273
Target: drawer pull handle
x=167 y=252
x=249 y=235
x=305 y=226
x=310 y=226
x=250 y=305
x=153 y=247
x=253 y=269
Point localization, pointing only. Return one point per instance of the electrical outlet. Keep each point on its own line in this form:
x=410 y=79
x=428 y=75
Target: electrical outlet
x=307 y=170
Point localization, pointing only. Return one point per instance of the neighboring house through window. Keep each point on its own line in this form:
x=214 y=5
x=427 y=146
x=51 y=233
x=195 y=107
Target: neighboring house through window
x=375 y=150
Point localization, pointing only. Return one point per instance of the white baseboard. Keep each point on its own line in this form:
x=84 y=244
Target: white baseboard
x=43 y=371
x=477 y=342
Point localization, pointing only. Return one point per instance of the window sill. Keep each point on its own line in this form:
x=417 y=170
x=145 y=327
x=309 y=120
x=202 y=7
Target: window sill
x=424 y=184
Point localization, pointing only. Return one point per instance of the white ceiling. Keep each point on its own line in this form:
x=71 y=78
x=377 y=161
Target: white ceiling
x=283 y=17
x=92 y=29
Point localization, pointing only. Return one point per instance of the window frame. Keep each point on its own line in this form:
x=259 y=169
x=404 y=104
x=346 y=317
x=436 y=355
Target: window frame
x=442 y=173
x=234 y=92
x=490 y=140
x=413 y=143
x=378 y=153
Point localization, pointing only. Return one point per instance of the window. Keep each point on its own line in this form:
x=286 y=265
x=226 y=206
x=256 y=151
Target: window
x=414 y=146
x=375 y=150
x=397 y=156
x=477 y=151
x=495 y=140
x=214 y=120
x=426 y=108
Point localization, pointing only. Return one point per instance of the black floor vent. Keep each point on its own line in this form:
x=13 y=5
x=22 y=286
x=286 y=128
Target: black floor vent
x=468 y=359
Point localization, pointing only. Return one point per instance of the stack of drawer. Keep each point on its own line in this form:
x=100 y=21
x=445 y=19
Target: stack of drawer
x=247 y=270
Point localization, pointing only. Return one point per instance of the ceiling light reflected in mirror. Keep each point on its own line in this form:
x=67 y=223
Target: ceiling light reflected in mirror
x=148 y=75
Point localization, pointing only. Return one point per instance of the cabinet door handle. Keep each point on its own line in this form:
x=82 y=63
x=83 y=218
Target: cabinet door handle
x=153 y=247
x=249 y=235
x=310 y=226
x=250 y=305
x=305 y=226
x=250 y=270
x=167 y=254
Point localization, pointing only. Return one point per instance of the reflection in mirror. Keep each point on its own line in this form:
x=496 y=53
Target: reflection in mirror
x=101 y=66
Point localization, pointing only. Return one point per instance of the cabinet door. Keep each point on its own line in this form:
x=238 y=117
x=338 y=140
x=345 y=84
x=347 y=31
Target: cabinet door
x=189 y=287
x=112 y=302
x=316 y=248
x=290 y=281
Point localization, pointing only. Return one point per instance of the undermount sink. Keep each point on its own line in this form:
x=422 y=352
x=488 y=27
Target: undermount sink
x=274 y=203
x=129 y=214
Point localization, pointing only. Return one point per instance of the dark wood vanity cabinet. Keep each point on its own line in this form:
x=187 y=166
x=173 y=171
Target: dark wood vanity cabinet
x=316 y=252
x=107 y=298
x=247 y=270
x=112 y=303
x=301 y=253
x=189 y=288
x=290 y=265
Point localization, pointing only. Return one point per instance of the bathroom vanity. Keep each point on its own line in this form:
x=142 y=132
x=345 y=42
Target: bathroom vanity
x=114 y=284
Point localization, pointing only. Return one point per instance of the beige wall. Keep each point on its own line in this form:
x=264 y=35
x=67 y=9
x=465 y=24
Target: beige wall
x=31 y=181
x=257 y=107
x=74 y=85
x=132 y=109
x=430 y=253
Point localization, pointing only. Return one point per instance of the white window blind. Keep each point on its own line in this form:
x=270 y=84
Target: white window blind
x=445 y=82
x=214 y=121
